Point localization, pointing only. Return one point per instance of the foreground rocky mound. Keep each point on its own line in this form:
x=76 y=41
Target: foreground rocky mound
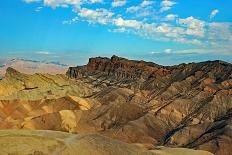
x=22 y=142
x=21 y=86
x=189 y=105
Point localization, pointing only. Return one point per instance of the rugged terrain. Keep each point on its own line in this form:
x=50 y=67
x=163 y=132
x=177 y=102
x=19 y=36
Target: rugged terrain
x=137 y=102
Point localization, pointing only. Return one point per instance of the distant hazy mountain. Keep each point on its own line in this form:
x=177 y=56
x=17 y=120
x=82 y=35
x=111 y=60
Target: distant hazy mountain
x=32 y=66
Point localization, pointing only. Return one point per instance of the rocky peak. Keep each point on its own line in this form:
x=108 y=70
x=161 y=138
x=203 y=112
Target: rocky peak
x=11 y=72
x=118 y=67
x=115 y=58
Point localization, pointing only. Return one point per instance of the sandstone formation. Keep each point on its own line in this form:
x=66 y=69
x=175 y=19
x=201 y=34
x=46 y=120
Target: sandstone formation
x=137 y=102
x=21 y=86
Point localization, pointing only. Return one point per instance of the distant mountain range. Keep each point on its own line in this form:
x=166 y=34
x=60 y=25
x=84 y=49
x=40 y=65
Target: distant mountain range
x=32 y=66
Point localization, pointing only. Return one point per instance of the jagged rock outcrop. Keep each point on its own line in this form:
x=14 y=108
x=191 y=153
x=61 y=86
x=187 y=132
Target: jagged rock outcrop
x=117 y=67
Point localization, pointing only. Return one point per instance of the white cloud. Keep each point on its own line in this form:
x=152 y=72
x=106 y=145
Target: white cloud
x=96 y=1
x=170 y=17
x=101 y=16
x=64 y=3
x=144 y=13
x=132 y=9
x=127 y=23
x=165 y=9
x=204 y=51
x=168 y=51
x=59 y=3
x=38 y=9
x=213 y=13
x=166 y=5
x=42 y=53
x=73 y=20
x=118 y=3
x=167 y=32
x=220 y=33
x=143 y=9
x=154 y=52
x=146 y=3
x=194 y=26
x=120 y=30
x=185 y=40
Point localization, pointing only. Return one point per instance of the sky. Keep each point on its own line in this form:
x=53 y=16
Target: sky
x=166 y=32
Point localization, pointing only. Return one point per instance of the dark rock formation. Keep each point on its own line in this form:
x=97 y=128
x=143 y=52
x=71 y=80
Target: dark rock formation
x=118 y=67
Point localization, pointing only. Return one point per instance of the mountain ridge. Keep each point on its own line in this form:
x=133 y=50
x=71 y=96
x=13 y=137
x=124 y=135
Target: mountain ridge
x=115 y=60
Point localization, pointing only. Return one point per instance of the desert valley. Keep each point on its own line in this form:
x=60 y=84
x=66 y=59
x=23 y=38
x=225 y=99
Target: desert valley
x=116 y=106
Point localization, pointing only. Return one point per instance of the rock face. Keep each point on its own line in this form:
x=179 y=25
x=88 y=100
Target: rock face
x=141 y=103
x=118 y=67
x=49 y=142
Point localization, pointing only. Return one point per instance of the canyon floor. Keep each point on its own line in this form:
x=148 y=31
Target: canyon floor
x=118 y=106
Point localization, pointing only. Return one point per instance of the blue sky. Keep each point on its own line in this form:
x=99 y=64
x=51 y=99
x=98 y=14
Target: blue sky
x=163 y=31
